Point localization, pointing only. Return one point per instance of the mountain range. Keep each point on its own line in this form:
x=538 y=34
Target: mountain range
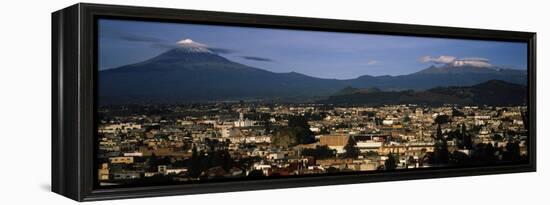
x=188 y=73
x=492 y=92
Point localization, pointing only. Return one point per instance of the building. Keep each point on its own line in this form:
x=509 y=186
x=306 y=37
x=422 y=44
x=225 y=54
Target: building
x=243 y=122
x=133 y=154
x=369 y=145
x=387 y=122
x=336 y=142
x=121 y=160
x=103 y=172
x=163 y=169
x=126 y=175
x=419 y=112
x=120 y=127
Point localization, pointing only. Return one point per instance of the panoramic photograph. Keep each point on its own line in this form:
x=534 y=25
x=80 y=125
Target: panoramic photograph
x=182 y=103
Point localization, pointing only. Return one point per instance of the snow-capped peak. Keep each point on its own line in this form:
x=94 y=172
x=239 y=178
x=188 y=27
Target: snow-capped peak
x=189 y=42
x=193 y=47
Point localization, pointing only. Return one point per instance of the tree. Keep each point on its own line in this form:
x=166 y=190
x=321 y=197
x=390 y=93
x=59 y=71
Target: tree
x=441 y=153
x=256 y=174
x=391 y=162
x=351 y=149
x=297 y=132
x=265 y=121
x=525 y=118
x=459 y=157
x=497 y=137
x=303 y=136
x=291 y=136
x=333 y=170
x=442 y=119
x=319 y=152
x=484 y=153
x=406 y=118
x=153 y=162
x=457 y=113
x=195 y=169
x=267 y=125
x=283 y=138
x=466 y=138
x=411 y=161
x=298 y=121
x=512 y=152
x=324 y=131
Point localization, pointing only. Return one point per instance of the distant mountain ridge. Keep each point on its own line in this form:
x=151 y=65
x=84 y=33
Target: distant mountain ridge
x=493 y=92
x=351 y=90
x=196 y=74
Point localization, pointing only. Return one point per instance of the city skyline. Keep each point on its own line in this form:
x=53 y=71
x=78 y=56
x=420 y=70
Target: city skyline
x=312 y=53
x=196 y=103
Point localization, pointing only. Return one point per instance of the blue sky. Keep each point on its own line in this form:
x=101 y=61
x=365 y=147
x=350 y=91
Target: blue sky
x=314 y=53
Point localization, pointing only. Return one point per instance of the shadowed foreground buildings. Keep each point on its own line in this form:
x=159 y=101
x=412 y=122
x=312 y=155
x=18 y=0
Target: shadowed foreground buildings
x=223 y=141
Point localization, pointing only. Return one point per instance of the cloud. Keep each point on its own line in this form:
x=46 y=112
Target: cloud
x=160 y=43
x=454 y=61
x=222 y=50
x=475 y=59
x=437 y=60
x=115 y=34
x=152 y=41
x=164 y=45
x=254 y=58
x=372 y=62
x=475 y=62
x=138 y=38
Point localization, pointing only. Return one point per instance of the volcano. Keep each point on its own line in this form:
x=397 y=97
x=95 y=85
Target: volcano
x=191 y=72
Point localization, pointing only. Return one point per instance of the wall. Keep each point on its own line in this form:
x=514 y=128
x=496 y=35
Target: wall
x=25 y=102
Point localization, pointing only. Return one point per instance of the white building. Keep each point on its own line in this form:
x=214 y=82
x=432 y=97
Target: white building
x=369 y=145
x=419 y=112
x=133 y=154
x=243 y=122
x=120 y=127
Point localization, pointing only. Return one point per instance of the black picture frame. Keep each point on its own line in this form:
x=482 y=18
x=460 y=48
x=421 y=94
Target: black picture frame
x=74 y=74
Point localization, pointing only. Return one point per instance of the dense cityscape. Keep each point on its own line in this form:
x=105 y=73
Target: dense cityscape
x=222 y=141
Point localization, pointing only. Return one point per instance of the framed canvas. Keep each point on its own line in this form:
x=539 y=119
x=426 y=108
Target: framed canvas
x=155 y=102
